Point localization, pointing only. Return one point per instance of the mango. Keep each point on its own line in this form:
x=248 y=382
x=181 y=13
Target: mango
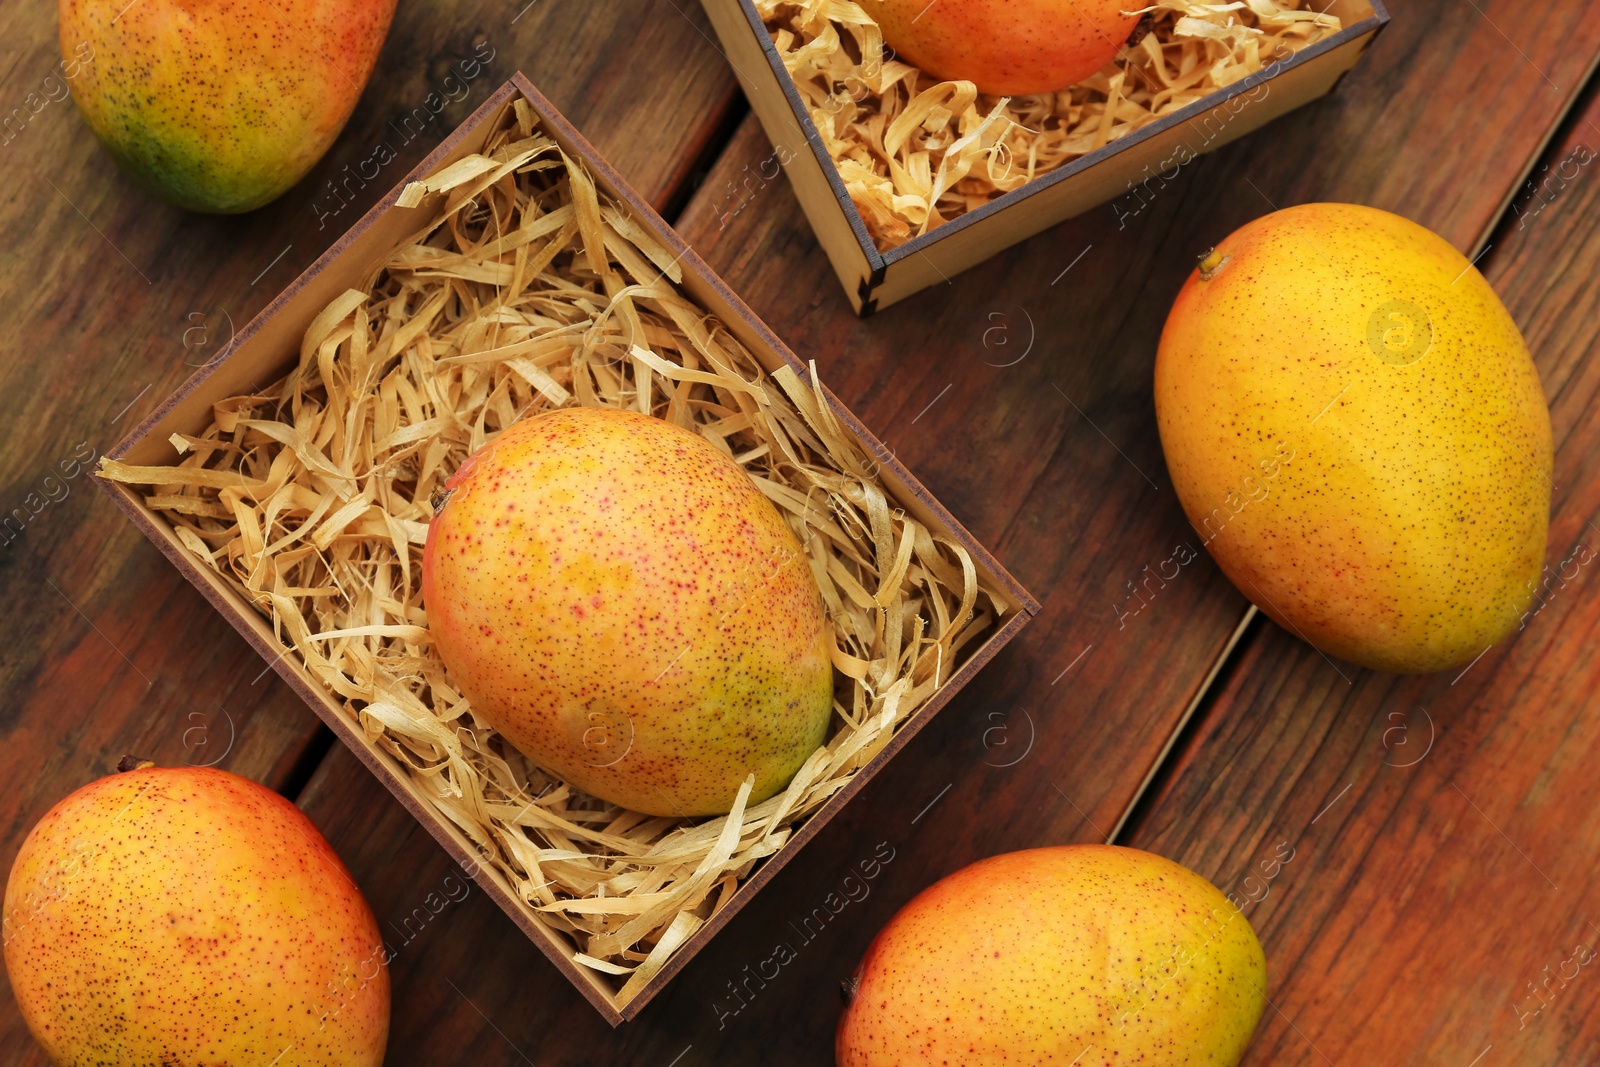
x=616 y=597
x=1006 y=47
x=1072 y=956
x=221 y=105
x=189 y=916
x=1356 y=430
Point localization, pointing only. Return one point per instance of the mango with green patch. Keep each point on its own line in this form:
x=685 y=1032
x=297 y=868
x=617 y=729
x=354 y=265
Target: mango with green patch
x=1073 y=956
x=221 y=105
x=1357 y=432
x=616 y=596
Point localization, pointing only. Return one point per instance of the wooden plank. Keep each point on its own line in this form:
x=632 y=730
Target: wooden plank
x=1446 y=827
x=1033 y=474
x=110 y=300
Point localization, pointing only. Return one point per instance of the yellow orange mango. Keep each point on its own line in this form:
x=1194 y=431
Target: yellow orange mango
x=1356 y=430
x=1006 y=47
x=1073 y=956
x=616 y=597
x=220 y=105
x=190 y=916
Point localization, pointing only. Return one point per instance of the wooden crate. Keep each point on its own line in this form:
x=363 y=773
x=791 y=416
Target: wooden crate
x=873 y=279
x=269 y=347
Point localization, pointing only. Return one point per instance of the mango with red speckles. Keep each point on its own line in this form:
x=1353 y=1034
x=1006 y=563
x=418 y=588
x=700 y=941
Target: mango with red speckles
x=189 y=916
x=1074 y=956
x=617 y=598
x=221 y=105
x=1006 y=47
x=1357 y=432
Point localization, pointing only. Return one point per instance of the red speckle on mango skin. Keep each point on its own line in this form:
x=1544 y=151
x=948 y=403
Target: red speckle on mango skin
x=1006 y=47
x=220 y=105
x=190 y=917
x=1073 y=956
x=617 y=598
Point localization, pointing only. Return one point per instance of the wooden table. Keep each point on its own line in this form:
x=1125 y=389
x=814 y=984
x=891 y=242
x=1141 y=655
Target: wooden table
x=1445 y=829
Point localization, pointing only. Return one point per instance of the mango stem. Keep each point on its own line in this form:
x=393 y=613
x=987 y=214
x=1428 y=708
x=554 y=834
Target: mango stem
x=1212 y=262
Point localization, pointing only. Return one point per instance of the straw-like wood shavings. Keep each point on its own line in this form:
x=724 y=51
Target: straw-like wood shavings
x=529 y=292
x=915 y=152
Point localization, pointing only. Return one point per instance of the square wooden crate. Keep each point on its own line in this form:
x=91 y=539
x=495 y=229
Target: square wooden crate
x=269 y=347
x=875 y=279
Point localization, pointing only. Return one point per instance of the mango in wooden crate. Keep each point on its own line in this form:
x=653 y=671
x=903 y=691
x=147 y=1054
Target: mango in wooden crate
x=220 y=106
x=615 y=596
x=1005 y=47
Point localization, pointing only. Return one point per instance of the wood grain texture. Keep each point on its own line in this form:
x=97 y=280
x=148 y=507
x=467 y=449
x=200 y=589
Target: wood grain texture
x=1045 y=458
x=1446 y=827
x=1042 y=452
x=109 y=299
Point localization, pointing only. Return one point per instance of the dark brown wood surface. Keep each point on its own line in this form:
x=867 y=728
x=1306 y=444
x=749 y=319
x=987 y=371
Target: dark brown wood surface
x=1019 y=394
